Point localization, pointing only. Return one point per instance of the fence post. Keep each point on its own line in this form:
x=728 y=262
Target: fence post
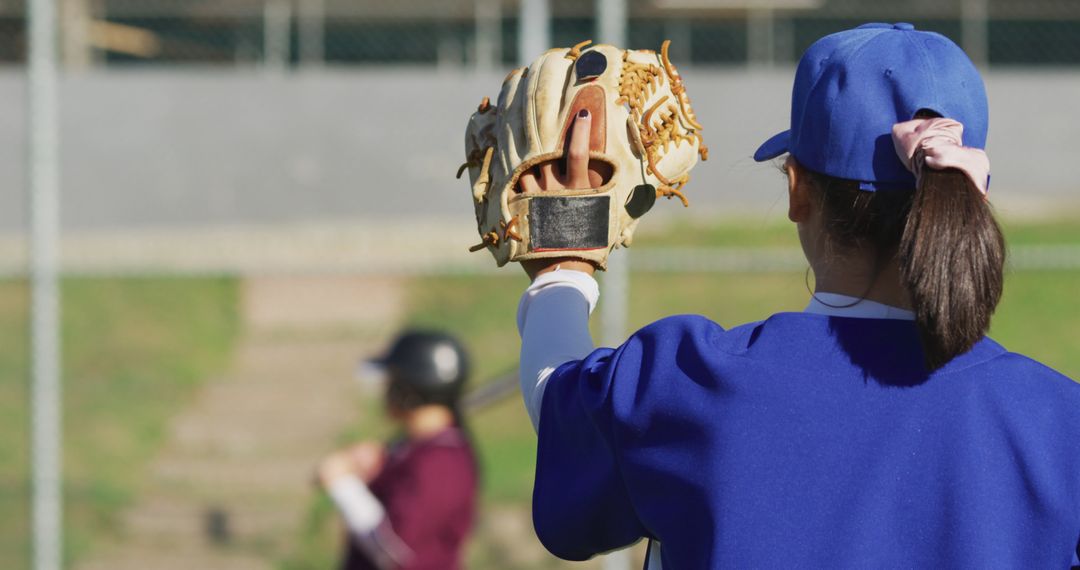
x=43 y=177
x=534 y=30
x=611 y=29
x=311 y=32
x=760 y=36
x=277 y=42
x=611 y=22
x=488 y=43
x=974 y=30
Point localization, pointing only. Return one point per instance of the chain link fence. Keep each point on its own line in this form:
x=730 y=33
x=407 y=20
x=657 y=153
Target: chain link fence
x=485 y=32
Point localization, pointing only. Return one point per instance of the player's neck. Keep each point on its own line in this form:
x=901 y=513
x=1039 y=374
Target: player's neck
x=426 y=421
x=861 y=279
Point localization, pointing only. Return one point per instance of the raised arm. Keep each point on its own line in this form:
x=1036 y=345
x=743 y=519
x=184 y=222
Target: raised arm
x=553 y=315
x=553 y=319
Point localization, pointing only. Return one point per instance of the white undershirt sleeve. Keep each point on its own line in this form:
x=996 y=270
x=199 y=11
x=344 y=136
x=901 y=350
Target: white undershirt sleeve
x=365 y=517
x=360 y=509
x=553 y=320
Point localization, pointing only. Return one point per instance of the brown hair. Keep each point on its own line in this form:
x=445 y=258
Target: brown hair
x=949 y=247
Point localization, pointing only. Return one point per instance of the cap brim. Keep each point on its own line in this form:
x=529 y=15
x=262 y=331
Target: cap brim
x=378 y=362
x=773 y=147
x=371 y=367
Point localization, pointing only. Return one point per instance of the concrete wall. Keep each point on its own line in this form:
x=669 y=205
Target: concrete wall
x=225 y=147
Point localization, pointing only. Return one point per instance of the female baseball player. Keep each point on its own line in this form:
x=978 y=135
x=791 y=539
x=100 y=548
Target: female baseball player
x=410 y=506
x=878 y=428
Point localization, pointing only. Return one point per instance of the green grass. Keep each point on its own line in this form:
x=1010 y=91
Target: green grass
x=133 y=351
x=14 y=430
x=1039 y=316
x=696 y=232
x=1051 y=232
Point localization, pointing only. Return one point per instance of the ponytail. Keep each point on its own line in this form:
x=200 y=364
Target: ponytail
x=952 y=258
x=949 y=248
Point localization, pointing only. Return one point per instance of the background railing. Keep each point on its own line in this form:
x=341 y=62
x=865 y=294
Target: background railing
x=484 y=33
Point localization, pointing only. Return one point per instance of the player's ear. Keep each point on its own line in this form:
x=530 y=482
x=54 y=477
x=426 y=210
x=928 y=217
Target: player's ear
x=798 y=193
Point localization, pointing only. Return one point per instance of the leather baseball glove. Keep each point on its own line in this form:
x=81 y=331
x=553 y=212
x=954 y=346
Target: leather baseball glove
x=644 y=139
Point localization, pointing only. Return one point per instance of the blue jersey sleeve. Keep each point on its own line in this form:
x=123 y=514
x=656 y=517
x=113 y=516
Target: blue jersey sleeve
x=581 y=506
x=597 y=435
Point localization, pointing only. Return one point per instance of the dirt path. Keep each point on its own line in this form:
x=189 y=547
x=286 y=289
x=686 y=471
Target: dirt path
x=237 y=463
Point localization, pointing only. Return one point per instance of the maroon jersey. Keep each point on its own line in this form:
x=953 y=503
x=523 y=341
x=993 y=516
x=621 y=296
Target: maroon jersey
x=428 y=488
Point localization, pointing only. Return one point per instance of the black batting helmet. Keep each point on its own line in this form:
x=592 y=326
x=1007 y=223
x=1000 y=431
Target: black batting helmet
x=426 y=367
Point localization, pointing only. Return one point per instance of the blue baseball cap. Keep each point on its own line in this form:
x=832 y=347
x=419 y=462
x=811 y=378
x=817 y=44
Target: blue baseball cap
x=852 y=86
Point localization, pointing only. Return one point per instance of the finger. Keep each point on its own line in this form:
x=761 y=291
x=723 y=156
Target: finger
x=577 y=154
x=548 y=179
x=528 y=182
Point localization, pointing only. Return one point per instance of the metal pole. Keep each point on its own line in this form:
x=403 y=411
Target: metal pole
x=681 y=34
x=534 y=30
x=614 y=308
x=611 y=22
x=615 y=283
x=611 y=29
x=784 y=40
x=43 y=166
x=277 y=16
x=488 y=23
x=615 y=291
x=974 y=30
x=760 y=36
x=311 y=23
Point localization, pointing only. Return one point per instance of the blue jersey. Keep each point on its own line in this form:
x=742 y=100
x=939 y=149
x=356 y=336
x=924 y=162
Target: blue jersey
x=809 y=441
